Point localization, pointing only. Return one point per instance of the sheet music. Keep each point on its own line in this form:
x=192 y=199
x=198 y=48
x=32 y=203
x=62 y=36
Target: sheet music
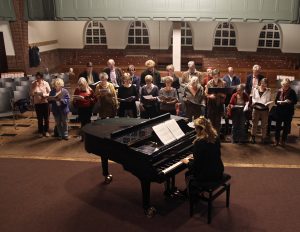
x=168 y=131
x=148 y=97
x=163 y=133
x=174 y=128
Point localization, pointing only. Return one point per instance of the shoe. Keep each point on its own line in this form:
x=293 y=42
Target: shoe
x=47 y=134
x=276 y=143
x=59 y=138
x=66 y=137
x=283 y=143
x=40 y=135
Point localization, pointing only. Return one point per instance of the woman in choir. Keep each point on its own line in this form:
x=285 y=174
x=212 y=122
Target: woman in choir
x=171 y=72
x=84 y=100
x=236 y=112
x=127 y=95
x=206 y=164
x=149 y=100
x=215 y=101
x=59 y=99
x=194 y=99
x=150 y=65
x=136 y=80
x=168 y=97
x=107 y=103
x=40 y=90
x=285 y=100
x=261 y=98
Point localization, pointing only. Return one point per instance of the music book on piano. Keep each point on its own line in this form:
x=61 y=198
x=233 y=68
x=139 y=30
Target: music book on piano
x=168 y=131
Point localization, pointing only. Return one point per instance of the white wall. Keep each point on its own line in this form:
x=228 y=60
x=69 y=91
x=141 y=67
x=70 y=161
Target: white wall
x=203 y=33
x=9 y=46
x=41 y=31
x=291 y=36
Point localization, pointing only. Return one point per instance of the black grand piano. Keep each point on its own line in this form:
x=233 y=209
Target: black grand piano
x=133 y=143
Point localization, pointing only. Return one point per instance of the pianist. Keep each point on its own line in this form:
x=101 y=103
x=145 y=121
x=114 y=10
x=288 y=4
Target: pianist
x=206 y=165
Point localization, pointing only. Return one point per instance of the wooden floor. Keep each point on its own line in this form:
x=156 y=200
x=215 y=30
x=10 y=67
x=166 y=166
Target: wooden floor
x=23 y=142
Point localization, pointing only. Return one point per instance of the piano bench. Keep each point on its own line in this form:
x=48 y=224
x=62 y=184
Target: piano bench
x=208 y=192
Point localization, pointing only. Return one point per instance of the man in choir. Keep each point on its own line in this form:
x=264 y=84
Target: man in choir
x=91 y=76
x=231 y=79
x=215 y=101
x=253 y=80
x=187 y=76
x=150 y=64
x=114 y=73
x=208 y=76
x=136 y=80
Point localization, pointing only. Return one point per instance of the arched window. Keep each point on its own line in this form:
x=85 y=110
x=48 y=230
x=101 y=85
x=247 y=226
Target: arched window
x=225 y=35
x=138 y=34
x=269 y=36
x=186 y=34
x=95 y=34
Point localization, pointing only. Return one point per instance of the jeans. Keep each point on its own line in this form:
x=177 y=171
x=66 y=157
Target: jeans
x=61 y=124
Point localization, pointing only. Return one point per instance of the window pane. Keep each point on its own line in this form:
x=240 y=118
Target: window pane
x=145 y=40
x=269 y=34
x=189 y=41
x=89 y=25
x=103 y=40
x=138 y=32
x=225 y=25
x=96 y=40
x=95 y=24
x=218 y=33
x=131 y=32
x=232 y=42
x=182 y=32
x=218 y=42
x=276 y=43
x=182 y=41
x=138 y=40
x=270 y=26
x=188 y=32
x=269 y=43
x=89 y=40
x=232 y=33
x=130 y=40
x=276 y=35
x=262 y=34
x=145 y=32
x=225 y=42
x=138 y=23
x=261 y=43
x=96 y=32
x=220 y=26
x=225 y=33
x=89 y=32
x=102 y=32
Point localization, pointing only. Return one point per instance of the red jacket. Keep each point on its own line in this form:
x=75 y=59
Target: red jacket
x=88 y=101
x=233 y=101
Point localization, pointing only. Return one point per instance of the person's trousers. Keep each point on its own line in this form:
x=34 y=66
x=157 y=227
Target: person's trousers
x=61 y=121
x=238 y=126
x=286 y=128
x=42 y=113
x=260 y=115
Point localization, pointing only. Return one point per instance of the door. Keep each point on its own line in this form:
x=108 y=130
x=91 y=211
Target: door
x=3 y=58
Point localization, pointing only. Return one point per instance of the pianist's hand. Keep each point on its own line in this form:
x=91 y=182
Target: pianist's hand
x=185 y=161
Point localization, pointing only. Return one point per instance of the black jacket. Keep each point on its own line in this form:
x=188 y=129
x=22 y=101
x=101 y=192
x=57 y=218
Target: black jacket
x=207 y=164
x=249 y=81
x=118 y=75
x=155 y=75
x=85 y=75
x=286 y=110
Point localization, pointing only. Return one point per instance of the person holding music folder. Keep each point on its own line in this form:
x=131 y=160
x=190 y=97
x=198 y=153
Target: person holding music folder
x=40 y=90
x=127 y=95
x=206 y=164
x=114 y=73
x=59 y=99
x=150 y=65
x=149 y=100
x=285 y=100
x=187 y=76
x=215 y=100
x=194 y=99
x=107 y=103
x=253 y=79
x=91 y=76
x=84 y=99
x=135 y=79
x=261 y=99
x=168 y=97
x=236 y=113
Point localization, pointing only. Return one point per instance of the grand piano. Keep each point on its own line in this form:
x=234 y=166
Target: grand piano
x=132 y=143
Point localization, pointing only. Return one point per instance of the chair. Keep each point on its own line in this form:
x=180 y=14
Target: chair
x=11 y=85
x=5 y=106
x=26 y=83
x=208 y=192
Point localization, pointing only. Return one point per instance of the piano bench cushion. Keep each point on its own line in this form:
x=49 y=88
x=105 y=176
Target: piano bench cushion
x=211 y=186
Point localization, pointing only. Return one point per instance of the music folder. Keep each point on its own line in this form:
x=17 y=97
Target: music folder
x=168 y=131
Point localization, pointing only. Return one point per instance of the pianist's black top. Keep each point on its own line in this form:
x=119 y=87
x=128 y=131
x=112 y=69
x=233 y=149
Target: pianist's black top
x=207 y=164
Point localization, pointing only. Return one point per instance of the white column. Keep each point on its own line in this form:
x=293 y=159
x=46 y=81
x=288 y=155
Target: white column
x=177 y=46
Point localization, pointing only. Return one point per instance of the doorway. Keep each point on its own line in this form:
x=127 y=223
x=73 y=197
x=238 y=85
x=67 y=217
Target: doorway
x=3 y=58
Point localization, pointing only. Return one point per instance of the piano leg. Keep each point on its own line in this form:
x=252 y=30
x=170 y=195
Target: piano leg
x=170 y=188
x=149 y=210
x=104 y=163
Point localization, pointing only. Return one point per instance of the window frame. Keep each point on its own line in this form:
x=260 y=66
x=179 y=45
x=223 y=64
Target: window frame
x=138 y=29
x=100 y=27
x=265 y=29
x=222 y=37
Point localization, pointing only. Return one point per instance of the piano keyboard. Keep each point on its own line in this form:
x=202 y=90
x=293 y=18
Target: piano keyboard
x=175 y=165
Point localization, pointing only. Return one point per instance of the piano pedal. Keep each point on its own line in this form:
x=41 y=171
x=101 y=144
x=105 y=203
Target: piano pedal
x=150 y=212
x=108 y=179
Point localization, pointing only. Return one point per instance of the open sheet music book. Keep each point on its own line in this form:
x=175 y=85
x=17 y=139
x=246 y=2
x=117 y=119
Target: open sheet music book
x=168 y=131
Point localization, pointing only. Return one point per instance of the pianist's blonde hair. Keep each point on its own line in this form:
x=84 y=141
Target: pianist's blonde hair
x=205 y=130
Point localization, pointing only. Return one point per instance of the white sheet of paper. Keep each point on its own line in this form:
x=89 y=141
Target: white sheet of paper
x=148 y=97
x=174 y=128
x=163 y=133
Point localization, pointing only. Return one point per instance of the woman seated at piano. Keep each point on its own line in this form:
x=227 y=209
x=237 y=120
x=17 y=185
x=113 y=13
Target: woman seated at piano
x=168 y=97
x=206 y=164
x=261 y=98
x=194 y=99
x=235 y=111
x=127 y=95
x=107 y=103
x=149 y=99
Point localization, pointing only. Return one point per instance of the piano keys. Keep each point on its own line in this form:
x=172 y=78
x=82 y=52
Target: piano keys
x=132 y=143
